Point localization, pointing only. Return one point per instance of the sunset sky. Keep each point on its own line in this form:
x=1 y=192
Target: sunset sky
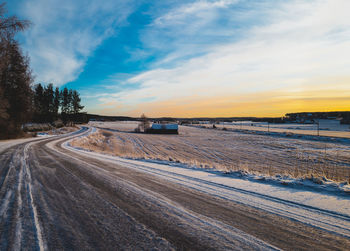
x=192 y=58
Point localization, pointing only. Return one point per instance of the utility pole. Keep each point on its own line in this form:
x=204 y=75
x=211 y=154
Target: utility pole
x=268 y=126
x=318 y=127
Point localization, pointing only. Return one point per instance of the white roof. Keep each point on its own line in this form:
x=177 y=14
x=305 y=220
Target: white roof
x=165 y=126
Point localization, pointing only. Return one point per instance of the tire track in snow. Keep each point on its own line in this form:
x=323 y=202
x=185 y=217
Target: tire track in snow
x=18 y=232
x=5 y=203
x=33 y=207
x=20 y=227
x=5 y=200
x=197 y=223
x=11 y=200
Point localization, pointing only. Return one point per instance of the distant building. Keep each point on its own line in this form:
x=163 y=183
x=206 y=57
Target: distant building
x=164 y=129
x=312 y=117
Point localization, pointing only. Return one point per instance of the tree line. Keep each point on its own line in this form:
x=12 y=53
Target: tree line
x=20 y=101
x=48 y=101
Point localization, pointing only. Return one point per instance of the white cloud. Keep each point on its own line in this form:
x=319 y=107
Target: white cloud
x=65 y=33
x=298 y=43
x=199 y=9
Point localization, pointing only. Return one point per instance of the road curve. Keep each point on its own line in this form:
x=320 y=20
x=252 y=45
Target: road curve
x=53 y=198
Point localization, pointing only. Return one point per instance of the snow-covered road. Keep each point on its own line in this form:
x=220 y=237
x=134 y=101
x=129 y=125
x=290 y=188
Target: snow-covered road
x=54 y=196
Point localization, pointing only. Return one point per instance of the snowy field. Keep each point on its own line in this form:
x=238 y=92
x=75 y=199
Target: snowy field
x=326 y=127
x=224 y=150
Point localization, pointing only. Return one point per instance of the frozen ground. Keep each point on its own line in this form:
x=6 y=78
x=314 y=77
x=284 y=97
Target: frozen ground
x=225 y=150
x=5 y=144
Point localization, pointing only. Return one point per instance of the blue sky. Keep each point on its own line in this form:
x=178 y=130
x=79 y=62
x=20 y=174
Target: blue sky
x=192 y=58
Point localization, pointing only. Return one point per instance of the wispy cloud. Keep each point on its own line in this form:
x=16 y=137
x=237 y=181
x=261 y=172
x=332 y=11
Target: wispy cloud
x=295 y=44
x=199 y=10
x=65 y=33
x=190 y=29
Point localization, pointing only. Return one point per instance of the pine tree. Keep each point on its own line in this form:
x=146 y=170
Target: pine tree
x=3 y=110
x=38 y=102
x=56 y=102
x=65 y=101
x=77 y=107
x=48 y=105
x=15 y=77
x=15 y=82
x=70 y=101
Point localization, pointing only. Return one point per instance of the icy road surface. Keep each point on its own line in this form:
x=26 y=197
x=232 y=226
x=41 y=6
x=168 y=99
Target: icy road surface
x=56 y=197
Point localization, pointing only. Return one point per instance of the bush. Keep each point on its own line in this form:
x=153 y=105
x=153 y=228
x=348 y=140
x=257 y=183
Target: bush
x=36 y=127
x=58 y=123
x=107 y=134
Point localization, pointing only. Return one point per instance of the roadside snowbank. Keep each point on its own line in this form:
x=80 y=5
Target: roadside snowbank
x=319 y=184
x=5 y=144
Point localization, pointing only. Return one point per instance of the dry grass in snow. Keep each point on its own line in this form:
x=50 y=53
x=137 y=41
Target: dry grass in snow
x=225 y=150
x=63 y=130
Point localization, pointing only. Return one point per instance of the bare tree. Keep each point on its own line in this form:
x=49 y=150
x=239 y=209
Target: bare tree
x=144 y=124
x=9 y=26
